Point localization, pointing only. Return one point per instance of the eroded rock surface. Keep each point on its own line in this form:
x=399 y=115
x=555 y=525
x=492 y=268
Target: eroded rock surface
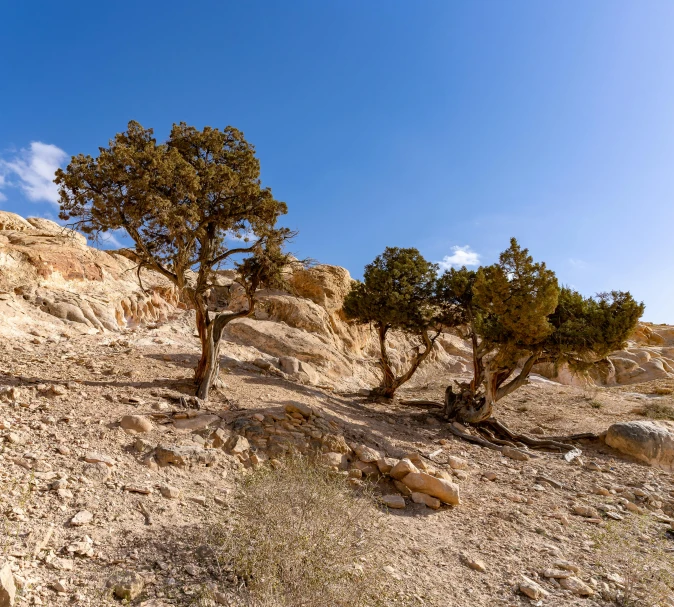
x=647 y=441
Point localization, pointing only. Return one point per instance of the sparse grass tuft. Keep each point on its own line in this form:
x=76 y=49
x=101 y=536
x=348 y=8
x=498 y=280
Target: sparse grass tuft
x=636 y=550
x=662 y=391
x=656 y=411
x=302 y=537
x=595 y=404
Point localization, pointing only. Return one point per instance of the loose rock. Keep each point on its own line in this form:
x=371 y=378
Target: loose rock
x=126 y=585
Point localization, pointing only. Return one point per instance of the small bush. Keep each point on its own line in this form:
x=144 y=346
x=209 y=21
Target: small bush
x=302 y=538
x=595 y=404
x=637 y=551
x=656 y=411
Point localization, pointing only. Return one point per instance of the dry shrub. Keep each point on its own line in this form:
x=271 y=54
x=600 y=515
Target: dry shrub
x=302 y=538
x=656 y=411
x=638 y=550
x=662 y=391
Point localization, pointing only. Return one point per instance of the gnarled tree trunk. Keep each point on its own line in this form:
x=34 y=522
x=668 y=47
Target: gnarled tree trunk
x=470 y=406
x=210 y=333
x=390 y=381
x=466 y=407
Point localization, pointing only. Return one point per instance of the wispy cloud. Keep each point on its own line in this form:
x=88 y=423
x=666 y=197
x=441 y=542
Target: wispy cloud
x=461 y=256
x=246 y=235
x=577 y=263
x=32 y=171
x=111 y=239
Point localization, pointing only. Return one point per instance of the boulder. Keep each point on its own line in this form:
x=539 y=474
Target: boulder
x=430 y=485
x=647 y=441
x=299 y=408
x=423 y=498
x=532 y=589
x=237 y=444
x=126 y=585
x=334 y=460
x=7 y=587
x=516 y=454
x=136 y=423
x=194 y=424
x=393 y=501
x=367 y=468
x=83 y=517
x=367 y=454
x=183 y=456
x=576 y=586
x=402 y=469
x=386 y=464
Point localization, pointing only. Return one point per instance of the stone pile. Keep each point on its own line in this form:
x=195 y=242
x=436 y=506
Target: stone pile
x=304 y=429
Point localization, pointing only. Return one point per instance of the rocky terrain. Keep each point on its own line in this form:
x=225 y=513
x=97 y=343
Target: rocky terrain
x=112 y=475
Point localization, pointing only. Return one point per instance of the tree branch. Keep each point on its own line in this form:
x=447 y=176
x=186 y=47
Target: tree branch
x=520 y=380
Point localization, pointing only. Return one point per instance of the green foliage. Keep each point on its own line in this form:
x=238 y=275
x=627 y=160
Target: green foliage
x=589 y=328
x=179 y=201
x=396 y=292
x=516 y=315
x=183 y=203
x=515 y=297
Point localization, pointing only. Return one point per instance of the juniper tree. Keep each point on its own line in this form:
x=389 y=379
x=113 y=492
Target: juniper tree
x=397 y=293
x=190 y=205
x=515 y=316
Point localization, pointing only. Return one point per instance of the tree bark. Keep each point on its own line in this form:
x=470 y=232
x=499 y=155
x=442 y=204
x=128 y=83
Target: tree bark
x=386 y=388
x=390 y=382
x=467 y=408
x=210 y=334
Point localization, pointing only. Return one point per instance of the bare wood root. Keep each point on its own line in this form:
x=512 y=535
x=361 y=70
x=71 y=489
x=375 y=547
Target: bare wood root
x=478 y=440
x=498 y=441
x=557 y=442
x=145 y=512
x=421 y=403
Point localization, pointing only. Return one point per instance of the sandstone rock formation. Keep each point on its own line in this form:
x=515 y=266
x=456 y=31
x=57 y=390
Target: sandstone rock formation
x=650 y=442
x=51 y=282
x=49 y=277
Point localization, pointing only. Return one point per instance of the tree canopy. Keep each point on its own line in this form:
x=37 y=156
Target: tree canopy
x=515 y=315
x=397 y=293
x=190 y=205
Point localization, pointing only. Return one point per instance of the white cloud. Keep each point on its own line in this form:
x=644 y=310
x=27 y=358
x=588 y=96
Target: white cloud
x=108 y=239
x=578 y=263
x=461 y=256
x=244 y=236
x=32 y=171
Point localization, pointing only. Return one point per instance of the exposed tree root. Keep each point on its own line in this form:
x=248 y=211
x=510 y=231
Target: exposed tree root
x=478 y=440
x=495 y=435
x=554 y=442
x=421 y=403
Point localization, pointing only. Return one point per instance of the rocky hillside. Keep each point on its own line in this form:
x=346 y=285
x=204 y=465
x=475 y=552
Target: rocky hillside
x=114 y=483
x=50 y=280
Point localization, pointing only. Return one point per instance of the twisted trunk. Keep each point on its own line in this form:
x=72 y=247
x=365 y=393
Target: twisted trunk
x=390 y=381
x=210 y=334
x=471 y=407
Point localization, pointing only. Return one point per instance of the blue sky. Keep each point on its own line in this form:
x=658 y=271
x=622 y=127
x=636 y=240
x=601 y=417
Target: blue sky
x=447 y=126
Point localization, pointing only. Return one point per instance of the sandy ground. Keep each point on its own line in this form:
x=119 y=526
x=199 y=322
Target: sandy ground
x=516 y=524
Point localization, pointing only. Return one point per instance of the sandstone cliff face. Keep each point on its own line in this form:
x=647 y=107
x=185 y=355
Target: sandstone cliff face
x=52 y=281
x=309 y=325
x=649 y=355
x=50 y=277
